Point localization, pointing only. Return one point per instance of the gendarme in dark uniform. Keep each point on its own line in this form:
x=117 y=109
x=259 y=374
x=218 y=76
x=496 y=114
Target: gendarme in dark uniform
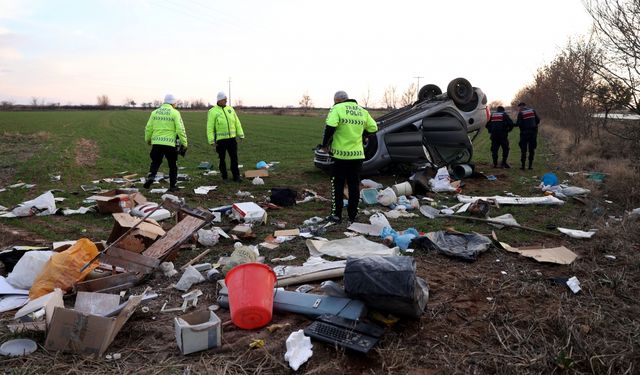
x=499 y=126
x=528 y=122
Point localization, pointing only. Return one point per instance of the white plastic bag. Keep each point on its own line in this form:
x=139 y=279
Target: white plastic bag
x=387 y=197
x=371 y=184
x=208 y=237
x=257 y=181
x=379 y=220
x=441 y=182
x=43 y=205
x=189 y=277
x=27 y=268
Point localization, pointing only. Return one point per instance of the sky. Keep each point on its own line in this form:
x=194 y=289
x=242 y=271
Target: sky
x=274 y=52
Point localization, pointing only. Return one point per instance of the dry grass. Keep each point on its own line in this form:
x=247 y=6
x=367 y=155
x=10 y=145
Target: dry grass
x=605 y=154
x=86 y=152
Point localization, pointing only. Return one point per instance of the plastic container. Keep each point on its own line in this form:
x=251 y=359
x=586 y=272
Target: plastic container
x=402 y=189
x=369 y=196
x=251 y=294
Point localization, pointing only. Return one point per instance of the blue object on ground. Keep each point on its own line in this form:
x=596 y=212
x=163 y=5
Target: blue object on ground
x=550 y=179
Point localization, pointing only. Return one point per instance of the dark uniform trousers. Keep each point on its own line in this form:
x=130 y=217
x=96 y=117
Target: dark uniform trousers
x=528 y=141
x=224 y=146
x=158 y=152
x=349 y=171
x=498 y=141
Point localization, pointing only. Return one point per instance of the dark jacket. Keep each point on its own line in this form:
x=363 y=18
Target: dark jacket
x=499 y=125
x=528 y=119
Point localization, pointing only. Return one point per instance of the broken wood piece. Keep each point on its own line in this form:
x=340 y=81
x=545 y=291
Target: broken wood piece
x=197 y=258
x=113 y=283
x=503 y=223
x=175 y=237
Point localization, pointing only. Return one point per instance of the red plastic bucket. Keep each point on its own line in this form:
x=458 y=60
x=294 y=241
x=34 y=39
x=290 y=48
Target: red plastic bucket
x=250 y=287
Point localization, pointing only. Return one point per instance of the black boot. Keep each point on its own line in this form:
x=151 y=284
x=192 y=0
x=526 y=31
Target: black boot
x=505 y=165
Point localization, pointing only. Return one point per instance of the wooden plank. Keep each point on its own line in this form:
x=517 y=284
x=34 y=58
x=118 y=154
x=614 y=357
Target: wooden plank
x=127 y=279
x=174 y=237
x=133 y=257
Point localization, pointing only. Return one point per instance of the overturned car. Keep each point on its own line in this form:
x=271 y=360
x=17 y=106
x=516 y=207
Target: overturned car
x=437 y=130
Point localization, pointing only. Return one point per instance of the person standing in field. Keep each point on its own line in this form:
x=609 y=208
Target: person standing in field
x=528 y=122
x=163 y=129
x=223 y=127
x=346 y=125
x=499 y=126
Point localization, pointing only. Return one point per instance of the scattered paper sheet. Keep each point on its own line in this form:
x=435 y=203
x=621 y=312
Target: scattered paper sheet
x=12 y=302
x=204 y=190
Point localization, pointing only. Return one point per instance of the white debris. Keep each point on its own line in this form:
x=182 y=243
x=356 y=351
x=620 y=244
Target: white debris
x=298 y=349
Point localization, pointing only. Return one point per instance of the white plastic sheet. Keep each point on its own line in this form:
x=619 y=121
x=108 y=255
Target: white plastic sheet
x=43 y=205
x=548 y=199
x=356 y=247
x=27 y=268
x=574 y=233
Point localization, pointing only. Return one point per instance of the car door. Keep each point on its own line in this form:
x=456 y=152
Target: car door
x=406 y=145
x=445 y=139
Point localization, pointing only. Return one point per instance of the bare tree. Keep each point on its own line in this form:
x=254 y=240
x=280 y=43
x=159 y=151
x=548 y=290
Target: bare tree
x=408 y=96
x=157 y=103
x=129 y=102
x=6 y=104
x=495 y=104
x=616 y=25
x=389 y=97
x=198 y=104
x=103 y=101
x=366 y=99
x=305 y=103
x=35 y=102
x=239 y=103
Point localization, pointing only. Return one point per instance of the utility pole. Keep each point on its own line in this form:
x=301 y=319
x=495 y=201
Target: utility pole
x=229 y=81
x=418 y=87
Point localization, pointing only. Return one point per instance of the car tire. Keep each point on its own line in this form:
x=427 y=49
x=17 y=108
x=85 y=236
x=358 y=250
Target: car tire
x=428 y=92
x=460 y=91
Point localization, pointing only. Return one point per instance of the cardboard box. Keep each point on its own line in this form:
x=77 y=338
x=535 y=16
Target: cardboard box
x=48 y=302
x=117 y=200
x=199 y=330
x=256 y=173
x=249 y=212
x=77 y=332
x=138 y=239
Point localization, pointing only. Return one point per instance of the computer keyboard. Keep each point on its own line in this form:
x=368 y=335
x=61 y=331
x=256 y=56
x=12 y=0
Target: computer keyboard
x=347 y=333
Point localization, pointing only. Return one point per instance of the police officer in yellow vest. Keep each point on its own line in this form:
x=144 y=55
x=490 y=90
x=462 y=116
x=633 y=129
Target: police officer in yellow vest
x=346 y=125
x=223 y=126
x=164 y=127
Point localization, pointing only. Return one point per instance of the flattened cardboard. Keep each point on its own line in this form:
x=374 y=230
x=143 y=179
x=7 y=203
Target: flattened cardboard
x=76 y=332
x=558 y=255
x=256 y=173
x=96 y=303
x=287 y=232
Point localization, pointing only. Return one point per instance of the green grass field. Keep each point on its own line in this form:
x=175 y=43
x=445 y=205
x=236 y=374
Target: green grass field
x=38 y=144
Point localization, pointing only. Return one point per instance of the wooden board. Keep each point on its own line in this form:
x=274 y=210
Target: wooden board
x=129 y=260
x=174 y=237
x=117 y=282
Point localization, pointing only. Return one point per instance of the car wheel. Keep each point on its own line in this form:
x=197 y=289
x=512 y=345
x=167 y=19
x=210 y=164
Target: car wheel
x=460 y=91
x=428 y=92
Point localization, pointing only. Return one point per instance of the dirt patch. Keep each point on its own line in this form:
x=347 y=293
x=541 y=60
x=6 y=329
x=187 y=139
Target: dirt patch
x=16 y=148
x=86 y=152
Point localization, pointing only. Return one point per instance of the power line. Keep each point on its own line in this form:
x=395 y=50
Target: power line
x=418 y=86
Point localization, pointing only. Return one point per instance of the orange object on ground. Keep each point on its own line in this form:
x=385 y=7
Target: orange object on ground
x=63 y=269
x=250 y=288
